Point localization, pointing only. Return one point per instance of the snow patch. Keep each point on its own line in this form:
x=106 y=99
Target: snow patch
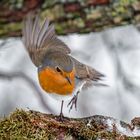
x=116 y=124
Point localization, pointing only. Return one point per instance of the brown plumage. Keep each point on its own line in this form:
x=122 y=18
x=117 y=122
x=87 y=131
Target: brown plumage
x=38 y=39
x=52 y=57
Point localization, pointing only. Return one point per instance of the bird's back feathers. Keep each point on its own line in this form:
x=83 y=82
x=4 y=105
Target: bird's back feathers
x=84 y=71
x=58 y=59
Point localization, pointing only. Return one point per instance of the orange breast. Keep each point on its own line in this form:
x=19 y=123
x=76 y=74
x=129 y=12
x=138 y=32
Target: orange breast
x=53 y=82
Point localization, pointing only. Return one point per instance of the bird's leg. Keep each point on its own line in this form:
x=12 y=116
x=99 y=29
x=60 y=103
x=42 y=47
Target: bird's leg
x=61 y=111
x=73 y=101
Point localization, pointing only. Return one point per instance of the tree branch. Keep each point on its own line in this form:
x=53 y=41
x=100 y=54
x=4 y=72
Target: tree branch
x=36 y=125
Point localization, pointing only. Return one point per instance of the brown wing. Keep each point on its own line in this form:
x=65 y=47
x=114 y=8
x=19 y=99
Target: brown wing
x=86 y=72
x=39 y=38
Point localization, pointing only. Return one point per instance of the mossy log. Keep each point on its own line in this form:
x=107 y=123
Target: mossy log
x=38 y=126
x=81 y=16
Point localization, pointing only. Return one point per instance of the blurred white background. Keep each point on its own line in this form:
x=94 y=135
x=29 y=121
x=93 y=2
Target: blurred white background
x=115 y=53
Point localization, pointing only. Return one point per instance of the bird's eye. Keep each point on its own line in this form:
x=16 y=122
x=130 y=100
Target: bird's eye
x=58 y=69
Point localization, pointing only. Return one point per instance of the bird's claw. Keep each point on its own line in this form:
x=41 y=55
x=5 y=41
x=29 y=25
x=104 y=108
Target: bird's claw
x=73 y=102
x=61 y=117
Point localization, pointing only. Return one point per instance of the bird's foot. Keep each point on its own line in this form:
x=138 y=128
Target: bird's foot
x=73 y=102
x=61 y=117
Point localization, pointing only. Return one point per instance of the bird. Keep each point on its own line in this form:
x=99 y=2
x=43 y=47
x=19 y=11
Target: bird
x=59 y=74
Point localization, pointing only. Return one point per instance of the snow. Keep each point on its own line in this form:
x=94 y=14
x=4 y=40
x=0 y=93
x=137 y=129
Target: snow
x=123 y=130
x=115 y=53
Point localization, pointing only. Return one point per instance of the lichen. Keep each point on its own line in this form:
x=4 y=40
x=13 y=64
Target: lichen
x=20 y=125
x=79 y=16
x=38 y=126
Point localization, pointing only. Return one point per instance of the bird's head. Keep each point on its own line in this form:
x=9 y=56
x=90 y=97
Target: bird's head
x=60 y=64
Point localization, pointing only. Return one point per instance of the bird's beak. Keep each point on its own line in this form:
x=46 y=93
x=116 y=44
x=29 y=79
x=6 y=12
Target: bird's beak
x=69 y=80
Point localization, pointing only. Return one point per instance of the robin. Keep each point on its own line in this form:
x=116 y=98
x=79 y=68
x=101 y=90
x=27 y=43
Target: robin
x=59 y=74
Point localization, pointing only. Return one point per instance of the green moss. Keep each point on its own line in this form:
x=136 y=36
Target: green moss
x=10 y=27
x=55 y=12
x=37 y=126
x=19 y=125
x=16 y=4
x=79 y=23
x=126 y=2
x=117 y=13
